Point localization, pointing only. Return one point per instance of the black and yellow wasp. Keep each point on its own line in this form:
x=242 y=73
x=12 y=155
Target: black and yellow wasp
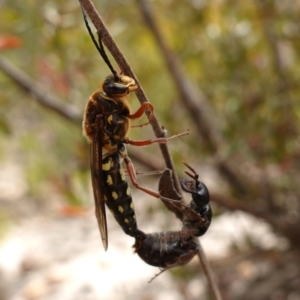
x=106 y=123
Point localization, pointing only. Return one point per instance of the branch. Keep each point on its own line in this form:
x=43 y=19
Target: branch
x=209 y=274
x=42 y=96
x=195 y=102
x=266 y=11
x=126 y=69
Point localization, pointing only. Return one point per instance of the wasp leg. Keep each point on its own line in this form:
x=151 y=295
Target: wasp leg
x=140 y=125
x=132 y=174
x=152 y=141
x=131 y=171
x=141 y=110
x=139 y=113
x=145 y=173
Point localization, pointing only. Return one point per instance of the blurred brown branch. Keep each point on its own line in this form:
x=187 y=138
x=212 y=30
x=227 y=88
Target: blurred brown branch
x=42 y=96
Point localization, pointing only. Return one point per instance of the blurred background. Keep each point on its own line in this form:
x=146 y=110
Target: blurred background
x=227 y=70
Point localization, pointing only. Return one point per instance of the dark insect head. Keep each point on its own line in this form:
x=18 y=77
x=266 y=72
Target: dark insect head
x=194 y=176
x=195 y=187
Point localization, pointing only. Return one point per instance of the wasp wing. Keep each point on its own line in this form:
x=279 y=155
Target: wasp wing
x=97 y=181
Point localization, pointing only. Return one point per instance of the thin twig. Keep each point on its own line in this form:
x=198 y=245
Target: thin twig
x=195 y=102
x=209 y=274
x=126 y=69
x=42 y=96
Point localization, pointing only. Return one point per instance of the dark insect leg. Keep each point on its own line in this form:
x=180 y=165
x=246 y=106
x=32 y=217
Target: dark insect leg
x=156 y=275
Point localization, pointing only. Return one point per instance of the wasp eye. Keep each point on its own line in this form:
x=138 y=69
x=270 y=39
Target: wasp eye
x=112 y=89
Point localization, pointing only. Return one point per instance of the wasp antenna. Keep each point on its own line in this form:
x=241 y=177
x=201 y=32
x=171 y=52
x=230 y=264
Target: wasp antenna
x=105 y=58
x=99 y=45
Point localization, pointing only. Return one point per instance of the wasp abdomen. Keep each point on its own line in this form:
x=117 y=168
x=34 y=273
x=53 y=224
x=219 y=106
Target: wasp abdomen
x=117 y=194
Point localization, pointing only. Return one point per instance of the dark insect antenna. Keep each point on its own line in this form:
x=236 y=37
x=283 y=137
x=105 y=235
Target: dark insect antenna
x=99 y=46
x=194 y=176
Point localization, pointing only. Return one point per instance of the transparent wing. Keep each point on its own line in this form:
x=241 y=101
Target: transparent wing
x=97 y=181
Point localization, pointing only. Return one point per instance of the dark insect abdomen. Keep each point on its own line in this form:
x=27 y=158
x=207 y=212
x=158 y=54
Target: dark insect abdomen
x=117 y=196
x=165 y=249
x=205 y=212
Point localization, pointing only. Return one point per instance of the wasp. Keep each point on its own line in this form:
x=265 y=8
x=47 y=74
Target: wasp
x=175 y=248
x=106 y=123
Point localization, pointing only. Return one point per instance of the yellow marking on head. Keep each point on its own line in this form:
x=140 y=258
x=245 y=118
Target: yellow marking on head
x=114 y=195
x=120 y=209
x=109 y=180
x=126 y=221
x=131 y=205
x=128 y=191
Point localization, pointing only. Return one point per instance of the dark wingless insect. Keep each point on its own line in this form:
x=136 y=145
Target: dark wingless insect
x=106 y=123
x=175 y=248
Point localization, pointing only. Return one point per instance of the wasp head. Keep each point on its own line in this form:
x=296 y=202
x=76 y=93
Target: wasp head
x=119 y=86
